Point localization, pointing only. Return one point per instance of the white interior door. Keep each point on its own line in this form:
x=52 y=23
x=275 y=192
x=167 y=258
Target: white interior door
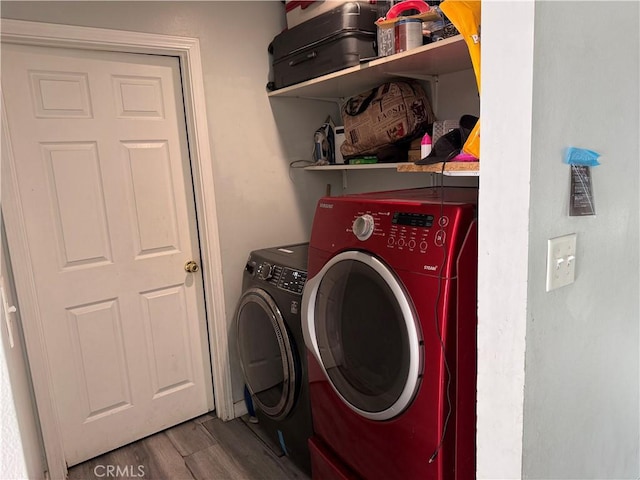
x=104 y=181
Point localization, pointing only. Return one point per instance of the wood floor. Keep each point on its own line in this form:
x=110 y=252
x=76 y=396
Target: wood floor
x=205 y=448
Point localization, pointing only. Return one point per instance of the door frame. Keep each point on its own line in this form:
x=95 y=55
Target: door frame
x=188 y=51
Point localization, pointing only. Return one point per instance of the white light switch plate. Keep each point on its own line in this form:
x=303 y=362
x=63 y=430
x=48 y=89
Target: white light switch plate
x=561 y=261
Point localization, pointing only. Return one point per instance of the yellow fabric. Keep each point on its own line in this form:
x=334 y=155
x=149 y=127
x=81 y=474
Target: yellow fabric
x=472 y=145
x=465 y=16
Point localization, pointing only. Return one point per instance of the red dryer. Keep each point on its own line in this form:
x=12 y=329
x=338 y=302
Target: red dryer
x=389 y=321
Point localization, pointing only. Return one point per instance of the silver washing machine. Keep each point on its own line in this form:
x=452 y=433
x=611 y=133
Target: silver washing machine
x=271 y=346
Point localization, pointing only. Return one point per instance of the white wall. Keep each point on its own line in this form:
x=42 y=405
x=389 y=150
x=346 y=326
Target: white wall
x=505 y=113
x=258 y=203
x=21 y=451
x=591 y=344
x=581 y=409
x=261 y=201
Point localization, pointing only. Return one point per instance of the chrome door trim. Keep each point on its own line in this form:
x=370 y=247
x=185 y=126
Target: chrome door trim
x=411 y=323
x=262 y=298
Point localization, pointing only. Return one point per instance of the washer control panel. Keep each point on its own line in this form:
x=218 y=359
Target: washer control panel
x=284 y=278
x=292 y=280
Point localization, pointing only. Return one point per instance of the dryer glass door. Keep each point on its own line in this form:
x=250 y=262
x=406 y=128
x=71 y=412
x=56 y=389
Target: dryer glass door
x=366 y=334
x=266 y=353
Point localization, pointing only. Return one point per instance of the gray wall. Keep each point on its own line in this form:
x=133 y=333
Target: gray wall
x=581 y=409
x=558 y=375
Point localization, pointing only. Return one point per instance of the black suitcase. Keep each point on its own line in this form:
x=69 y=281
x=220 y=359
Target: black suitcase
x=334 y=40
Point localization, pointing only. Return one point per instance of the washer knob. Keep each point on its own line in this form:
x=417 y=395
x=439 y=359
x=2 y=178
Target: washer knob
x=266 y=271
x=363 y=226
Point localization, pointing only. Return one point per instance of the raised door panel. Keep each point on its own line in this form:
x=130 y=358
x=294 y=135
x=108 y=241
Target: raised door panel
x=78 y=204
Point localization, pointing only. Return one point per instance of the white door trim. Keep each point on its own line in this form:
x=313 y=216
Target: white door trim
x=188 y=51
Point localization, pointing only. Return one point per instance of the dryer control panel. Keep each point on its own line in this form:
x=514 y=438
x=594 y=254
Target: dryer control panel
x=403 y=230
x=416 y=230
x=410 y=230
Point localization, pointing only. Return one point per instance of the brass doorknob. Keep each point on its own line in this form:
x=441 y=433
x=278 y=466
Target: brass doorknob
x=191 y=267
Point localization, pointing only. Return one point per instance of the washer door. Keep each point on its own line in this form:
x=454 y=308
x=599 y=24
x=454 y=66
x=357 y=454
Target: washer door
x=359 y=323
x=267 y=355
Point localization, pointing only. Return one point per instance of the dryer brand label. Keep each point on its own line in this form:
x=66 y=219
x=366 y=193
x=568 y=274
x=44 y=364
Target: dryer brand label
x=430 y=268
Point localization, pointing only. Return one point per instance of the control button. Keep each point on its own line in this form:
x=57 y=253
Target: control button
x=412 y=244
x=443 y=221
x=391 y=241
x=401 y=242
x=363 y=226
x=441 y=236
x=423 y=245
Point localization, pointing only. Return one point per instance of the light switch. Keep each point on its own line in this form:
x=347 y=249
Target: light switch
x=561 y=261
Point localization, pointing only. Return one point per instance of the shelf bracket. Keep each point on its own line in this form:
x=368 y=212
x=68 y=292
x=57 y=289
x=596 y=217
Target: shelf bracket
x=344 y=181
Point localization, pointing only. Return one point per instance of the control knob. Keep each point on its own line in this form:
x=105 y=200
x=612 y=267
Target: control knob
x=363 y=226
x=266 y=271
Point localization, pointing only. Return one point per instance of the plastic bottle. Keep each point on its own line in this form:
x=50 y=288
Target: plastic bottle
x=425 y=146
